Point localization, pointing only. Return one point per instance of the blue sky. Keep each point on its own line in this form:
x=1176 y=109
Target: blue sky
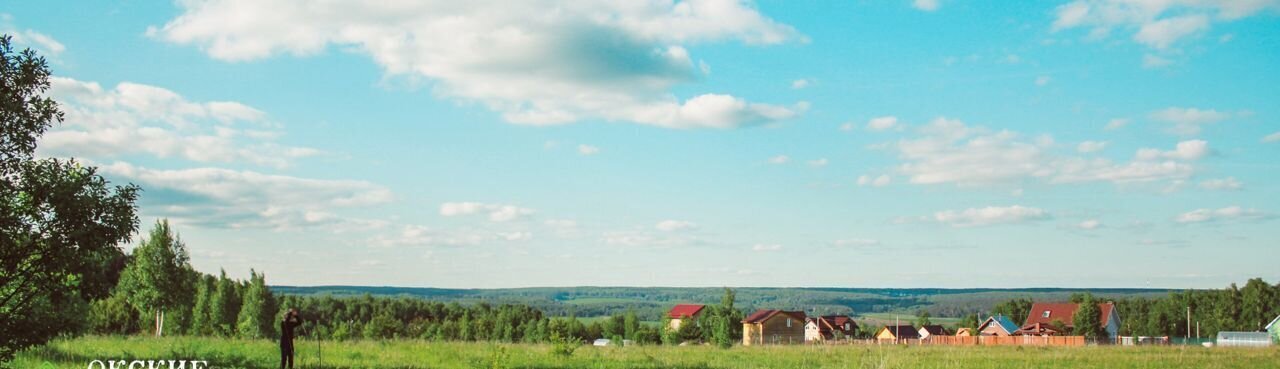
x=1090 y=143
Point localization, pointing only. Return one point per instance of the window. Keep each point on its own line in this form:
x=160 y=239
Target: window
x=846 y=327
x=1045 y=315
x=788 y=322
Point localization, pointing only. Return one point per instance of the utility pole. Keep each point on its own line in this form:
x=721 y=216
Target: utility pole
x=1188 y=322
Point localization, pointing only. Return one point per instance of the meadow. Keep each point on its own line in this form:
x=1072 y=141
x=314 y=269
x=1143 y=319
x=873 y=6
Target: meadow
x=236 y=353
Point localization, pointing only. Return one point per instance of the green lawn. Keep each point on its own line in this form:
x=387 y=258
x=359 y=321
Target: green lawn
x=230 y=353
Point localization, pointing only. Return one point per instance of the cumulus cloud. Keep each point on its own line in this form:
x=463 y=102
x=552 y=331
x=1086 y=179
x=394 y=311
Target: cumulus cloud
x=1150 y=61
x=925 y=5
x=494 y=212
x=674 y=225
x=1222 y=184
x=224 y=198
x=780 y=159
x=879 y=181
x=763 y=247
x=856 y=242
x=44 y=44
x=800 y=84
x=1116 y=123
x=1274 y=137
x=818 y=163
x=882 y=123
x=1090 y=224
x=1156 y=24
x=535 y=62
x=588 y=150
x=991 y=215
x=136 y=118
x=1091 y=146
x=1223 y=214
x=1188 y=121
x=413 y=235
x=949 y=151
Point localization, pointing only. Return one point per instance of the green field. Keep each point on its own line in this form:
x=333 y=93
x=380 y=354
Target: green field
x=232 y=353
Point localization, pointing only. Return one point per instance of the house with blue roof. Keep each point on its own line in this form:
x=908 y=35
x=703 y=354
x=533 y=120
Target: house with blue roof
x=997 y=325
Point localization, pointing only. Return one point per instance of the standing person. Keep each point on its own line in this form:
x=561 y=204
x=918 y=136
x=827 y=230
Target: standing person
x=291 y=321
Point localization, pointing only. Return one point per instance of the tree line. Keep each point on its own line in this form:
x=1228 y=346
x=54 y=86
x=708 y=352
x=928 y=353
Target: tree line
x=1233 y=308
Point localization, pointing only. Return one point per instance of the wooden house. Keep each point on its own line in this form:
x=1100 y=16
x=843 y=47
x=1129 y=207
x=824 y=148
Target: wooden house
x=682 y=313
x=965 y=332
x=828 y=327
x=933 y=330
x=773 y=326
x=897 y=332
x=1051 y=319
x=998 y=325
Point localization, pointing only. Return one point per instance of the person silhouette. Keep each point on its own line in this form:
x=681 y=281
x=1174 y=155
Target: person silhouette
x=291 y=321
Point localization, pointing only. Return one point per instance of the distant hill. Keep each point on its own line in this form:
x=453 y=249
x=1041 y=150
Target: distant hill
x=651 y=302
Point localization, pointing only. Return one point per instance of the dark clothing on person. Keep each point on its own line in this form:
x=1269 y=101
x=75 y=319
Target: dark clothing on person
x=286 y=340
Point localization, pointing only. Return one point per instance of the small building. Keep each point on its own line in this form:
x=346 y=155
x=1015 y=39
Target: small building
x=897 y=332
x=773 y=326
x=683 y=312
x=828 y=327
x=1243 y=339
x=1274 y=329
x=965 y=332
x=1051 y=318
x=997 y=325
x=933 y=330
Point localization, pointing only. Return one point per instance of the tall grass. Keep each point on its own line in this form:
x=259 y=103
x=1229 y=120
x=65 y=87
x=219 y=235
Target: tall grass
x=238 y=353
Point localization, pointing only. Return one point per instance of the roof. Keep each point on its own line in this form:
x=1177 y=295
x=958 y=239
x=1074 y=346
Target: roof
x=969 y=331
x=760 y=316
x=685 y=310
x=902 y=331
x=828 y=322
x=1064 y=312
x=935 y=329
x=1244 y=336
x=1001 y=321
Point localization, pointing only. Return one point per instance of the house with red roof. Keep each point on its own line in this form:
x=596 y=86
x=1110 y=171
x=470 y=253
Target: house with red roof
x=827 y=327
x=1054 y=318
x=773 y=326
x=682 y=313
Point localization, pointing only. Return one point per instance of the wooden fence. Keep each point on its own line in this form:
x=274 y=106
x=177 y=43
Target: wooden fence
x=976 y=341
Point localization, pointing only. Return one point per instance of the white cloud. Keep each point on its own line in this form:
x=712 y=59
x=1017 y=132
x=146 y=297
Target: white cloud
x=818 y=163
x=495 y=212
x=215 y=197
x=1223 y=184
x=536 y=62
x=948 y=151
x=135 y=118
x=780 y=159
x=43 y=44
x=882 y=123
x=1223 y=214
x=925 y=5
x=1091 y=146
x=800 y=83
x=761 y=247
x=1043 y=80
x=1116 y=123
x=879 y=181
x=643 y=238
x=674 y=225
x=1150 y=61
x=1274 y=137
x=1185 y=150
x=1089 y=224
x=991 y=215
x=588 y=150
x=417 y=235
x=1188 y=121
x=847 y=126
x=1161 y=33
x=1157 y=24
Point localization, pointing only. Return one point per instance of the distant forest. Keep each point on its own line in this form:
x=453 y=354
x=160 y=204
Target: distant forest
x=649 y=303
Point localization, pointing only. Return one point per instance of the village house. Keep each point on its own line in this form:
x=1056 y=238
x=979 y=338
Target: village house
x=965 y=332
x=998 y=325
x=932 y=330
x=897 y=332
x=683 y=312
x=1049 y=319
x=829 y=327
x=773 y=327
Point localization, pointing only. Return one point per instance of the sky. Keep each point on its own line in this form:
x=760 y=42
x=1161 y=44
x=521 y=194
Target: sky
x=946 y=143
